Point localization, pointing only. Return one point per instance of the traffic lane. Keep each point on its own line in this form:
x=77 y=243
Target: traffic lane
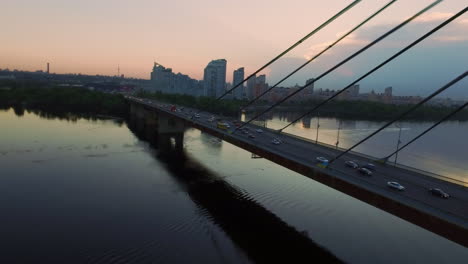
x=414 y=190
x=422 y=180
x=427 y=181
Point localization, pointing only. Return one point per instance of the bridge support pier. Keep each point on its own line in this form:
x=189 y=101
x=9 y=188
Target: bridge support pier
x=163 y=131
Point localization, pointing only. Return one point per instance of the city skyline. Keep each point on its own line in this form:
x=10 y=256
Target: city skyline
x=88 y=42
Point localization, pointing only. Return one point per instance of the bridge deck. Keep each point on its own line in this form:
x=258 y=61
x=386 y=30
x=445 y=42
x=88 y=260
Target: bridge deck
x=446 y=217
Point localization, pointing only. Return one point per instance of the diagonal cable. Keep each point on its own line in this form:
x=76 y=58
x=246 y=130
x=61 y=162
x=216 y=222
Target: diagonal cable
x=443 y=88
x=318 y=54
x=343 y=62
x=458 y=109
x=378 y=66
x=344 y=10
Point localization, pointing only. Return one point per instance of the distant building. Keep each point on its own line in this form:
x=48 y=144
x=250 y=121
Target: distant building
x=352 y=93
x=238 y=77
x=387 y=96
x=249 y=91
x=162 y=78
x=214 y=78
x=260 y=86
x=310 y=89
x=165 y=81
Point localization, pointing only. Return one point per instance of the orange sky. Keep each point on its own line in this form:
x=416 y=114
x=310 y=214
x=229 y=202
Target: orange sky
x=93 y=37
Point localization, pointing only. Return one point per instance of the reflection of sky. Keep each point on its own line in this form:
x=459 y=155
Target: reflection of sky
x=333 y=219
x=441 y=151
x=100 y=177
x=93 y=190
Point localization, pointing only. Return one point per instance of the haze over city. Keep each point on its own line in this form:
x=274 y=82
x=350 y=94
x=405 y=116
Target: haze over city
x=92 y=37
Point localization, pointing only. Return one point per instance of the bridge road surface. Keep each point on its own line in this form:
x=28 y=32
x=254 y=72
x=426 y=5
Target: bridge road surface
x=454 y=209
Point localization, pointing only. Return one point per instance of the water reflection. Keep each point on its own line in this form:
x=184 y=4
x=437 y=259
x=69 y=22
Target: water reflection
x=19 y=111
x=442 y=151
x=91 y=192
x=261 y=234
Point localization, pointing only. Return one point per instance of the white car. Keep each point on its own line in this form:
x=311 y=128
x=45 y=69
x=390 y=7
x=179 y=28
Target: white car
x=259 y=130
x=321 y=160
x=395 y=185
x=275 y=141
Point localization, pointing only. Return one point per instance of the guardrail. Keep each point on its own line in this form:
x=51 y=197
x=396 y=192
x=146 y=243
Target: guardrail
x=374 y=159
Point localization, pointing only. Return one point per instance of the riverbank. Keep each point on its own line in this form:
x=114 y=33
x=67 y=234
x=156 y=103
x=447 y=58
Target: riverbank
x=62 y=101
x=42 y=97
x=351 y=110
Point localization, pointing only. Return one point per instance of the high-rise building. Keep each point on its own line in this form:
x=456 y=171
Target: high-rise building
x=260 y=85
x=214 y=78
x=250 y=87
x=237 y=78
x=310 y=89
x=165 y=81
x=162 y=78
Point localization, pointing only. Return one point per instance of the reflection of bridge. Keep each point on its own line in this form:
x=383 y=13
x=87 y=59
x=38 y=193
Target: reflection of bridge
x=262 y=235
x=446 y=217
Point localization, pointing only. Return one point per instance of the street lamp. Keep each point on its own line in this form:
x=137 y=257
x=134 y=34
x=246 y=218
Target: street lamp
x=318 y=126
x=338 y=135
x=398 y=142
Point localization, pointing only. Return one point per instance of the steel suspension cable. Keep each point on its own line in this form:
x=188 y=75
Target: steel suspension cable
x=377 y=67
x=343 y=62
x=344 y=10
x=460 y=77
x=458 y=109
x=318 y=54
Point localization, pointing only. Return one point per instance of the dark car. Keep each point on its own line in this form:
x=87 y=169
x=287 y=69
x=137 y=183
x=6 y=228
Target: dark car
x=365 y=171
x=369 y=166
x=439 y=192
x=351 y=164
x=251 y=136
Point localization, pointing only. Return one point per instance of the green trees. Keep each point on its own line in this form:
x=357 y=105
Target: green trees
x=225 y=107
x=63 y=100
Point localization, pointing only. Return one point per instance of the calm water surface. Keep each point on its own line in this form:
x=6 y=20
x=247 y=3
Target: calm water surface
x=92 y=192
x=443 y=151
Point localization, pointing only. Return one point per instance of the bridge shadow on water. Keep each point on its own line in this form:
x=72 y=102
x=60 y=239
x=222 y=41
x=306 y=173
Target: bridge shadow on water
x=262 y=235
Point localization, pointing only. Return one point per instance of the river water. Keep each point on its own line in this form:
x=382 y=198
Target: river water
x=442 y=151
x=92 y=191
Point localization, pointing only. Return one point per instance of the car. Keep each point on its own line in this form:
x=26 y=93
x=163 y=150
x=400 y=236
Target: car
x=351 y=164
x=395 y=185
x=369 y=166
x=321 y=160
x=251 y=136
x=279 y=140
x=259 y=130
x=275 y=141
x=365 y=171
x=197 y=116
x=439 y=192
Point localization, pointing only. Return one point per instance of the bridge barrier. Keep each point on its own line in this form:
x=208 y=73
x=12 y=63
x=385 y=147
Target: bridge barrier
x=374 y=159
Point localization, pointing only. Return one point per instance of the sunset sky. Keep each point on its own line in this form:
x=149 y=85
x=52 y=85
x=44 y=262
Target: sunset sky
x=95 y=36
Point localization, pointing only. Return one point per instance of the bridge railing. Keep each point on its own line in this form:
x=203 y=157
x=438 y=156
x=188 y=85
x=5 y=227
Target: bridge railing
x=374 y=159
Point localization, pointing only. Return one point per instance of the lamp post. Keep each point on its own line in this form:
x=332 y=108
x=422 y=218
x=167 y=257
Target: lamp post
x=338 y=135
x=318 y=126
x=398 y=142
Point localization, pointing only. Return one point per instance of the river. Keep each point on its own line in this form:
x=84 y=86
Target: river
x=92 y=191
x=442 y=151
